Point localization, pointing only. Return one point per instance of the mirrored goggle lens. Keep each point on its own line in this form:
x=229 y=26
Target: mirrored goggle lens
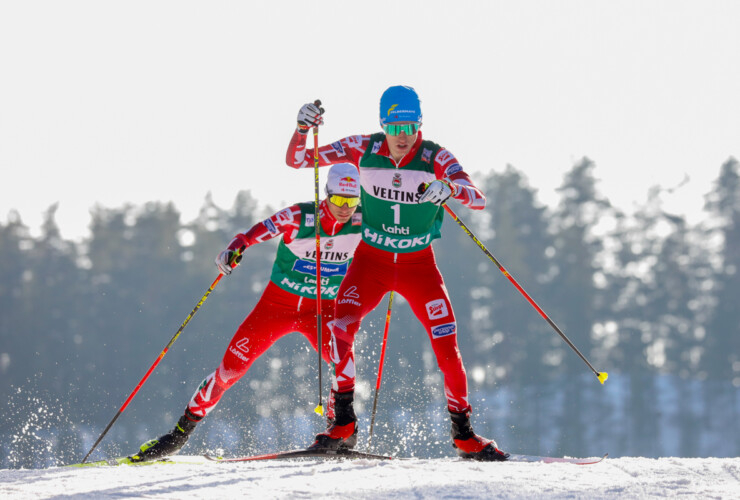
x=341 y=200
x=406 y=128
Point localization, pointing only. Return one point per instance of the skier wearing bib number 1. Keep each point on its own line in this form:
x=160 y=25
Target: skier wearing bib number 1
x=404 y=181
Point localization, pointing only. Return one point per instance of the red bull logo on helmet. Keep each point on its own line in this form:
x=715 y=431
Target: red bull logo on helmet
x=344 y=179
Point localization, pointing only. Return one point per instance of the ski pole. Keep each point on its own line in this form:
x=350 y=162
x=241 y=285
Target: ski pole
x=380 y=367
x=159 y=358
x=602 y=376
x=317 y=228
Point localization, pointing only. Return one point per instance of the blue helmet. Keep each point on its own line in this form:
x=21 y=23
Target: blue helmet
x=399 y=104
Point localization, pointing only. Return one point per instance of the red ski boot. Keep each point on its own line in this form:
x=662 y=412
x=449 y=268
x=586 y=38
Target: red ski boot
x=341 y=427
x=471 y=446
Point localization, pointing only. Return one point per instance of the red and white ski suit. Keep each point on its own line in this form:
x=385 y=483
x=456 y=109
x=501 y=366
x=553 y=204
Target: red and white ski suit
x=414 y=275
x=277 y=313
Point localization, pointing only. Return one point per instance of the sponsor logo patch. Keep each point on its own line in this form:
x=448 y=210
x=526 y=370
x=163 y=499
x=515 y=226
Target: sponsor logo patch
x=396 y=229
x=349 y=301
x=426 y=155
x=309 y=220
x=396 y=194
x=443 y=157
x=338 y=148
x=242 y=344
x=327 y=269
x=453 y=169
x=437 y=309
x=270 y=226
x=389 y=242
x=284 y=216
x=396 y=182
x=444 y=330
x=354 y=141
x=347 y=184
x=326 y=291
x=351 y=292
x=238 y=354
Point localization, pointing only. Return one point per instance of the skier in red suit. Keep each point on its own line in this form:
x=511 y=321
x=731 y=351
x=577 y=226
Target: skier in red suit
x=405 y=180
x=288 y=303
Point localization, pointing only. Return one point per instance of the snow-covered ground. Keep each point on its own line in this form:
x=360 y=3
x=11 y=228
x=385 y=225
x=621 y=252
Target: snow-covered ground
x=401 y=479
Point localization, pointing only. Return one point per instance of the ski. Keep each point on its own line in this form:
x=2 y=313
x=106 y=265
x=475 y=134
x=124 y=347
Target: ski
x=319 y=453
x=555 y=460
x=110 y=462
x=305 y=453
x=114 y=462
x=352 y=454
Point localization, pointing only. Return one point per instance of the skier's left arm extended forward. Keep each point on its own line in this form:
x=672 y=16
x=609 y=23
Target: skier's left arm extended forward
x=286 y=222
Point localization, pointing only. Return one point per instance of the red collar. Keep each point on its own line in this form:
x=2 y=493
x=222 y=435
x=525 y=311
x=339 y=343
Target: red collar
x=329 y=223
x=385 y=151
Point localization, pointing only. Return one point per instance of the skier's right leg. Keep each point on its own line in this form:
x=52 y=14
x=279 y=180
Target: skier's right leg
x=272 y=318
x=423 y=287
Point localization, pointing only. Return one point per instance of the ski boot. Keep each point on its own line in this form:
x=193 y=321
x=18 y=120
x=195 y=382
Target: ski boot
x=468 y=444
x=341 y=424
x=169 y=443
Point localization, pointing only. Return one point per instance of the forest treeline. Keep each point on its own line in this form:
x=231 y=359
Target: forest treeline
x=645 y=296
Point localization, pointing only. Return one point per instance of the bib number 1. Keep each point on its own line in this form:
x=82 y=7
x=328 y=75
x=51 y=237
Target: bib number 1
x=396 y=213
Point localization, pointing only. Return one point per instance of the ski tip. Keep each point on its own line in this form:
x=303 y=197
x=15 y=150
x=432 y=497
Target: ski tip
x=319 y=410
x=602 y=377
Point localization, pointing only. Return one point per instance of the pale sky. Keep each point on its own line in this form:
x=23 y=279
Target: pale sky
x=135 y=101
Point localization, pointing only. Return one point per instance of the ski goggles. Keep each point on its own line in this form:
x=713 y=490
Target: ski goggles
x=406 y=128
x=340 y=201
